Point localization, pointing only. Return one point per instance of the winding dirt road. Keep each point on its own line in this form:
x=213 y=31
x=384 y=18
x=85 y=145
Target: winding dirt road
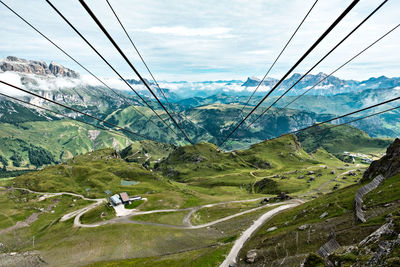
x=186 y=220
x=233 y=254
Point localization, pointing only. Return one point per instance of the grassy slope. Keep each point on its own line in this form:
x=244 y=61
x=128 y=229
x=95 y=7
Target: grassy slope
x=273 y=246
x=131 y=119
x=339 y=139
x=136 y=152
x=204 y=167
x=103 y=170
x=92 y=174
x=63 y=138
x=281 y=153
x=185 y=163
x=206 y=257
x=172 y=218
x=203 y=174
x=61 y=244
x=100 y=213
x=206 y=215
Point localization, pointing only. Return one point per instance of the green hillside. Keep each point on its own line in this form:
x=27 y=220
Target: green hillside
x=337 y=140
x=62 y=140
x=14 y=113
x=146 y=150
x=310 y=230
x=331 y=217
x=187 y=177
x=203 y=159
x=278 y=153
x=91 y=175
x=209 y=123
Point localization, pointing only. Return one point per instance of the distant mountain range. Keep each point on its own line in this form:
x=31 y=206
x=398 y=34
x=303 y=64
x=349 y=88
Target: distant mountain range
x=183 y=89
x=330 y=86
x=206 y=110
x=35 y=67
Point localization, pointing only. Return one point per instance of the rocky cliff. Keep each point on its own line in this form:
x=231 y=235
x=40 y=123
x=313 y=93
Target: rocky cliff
x=388 y=165
x=36 y=67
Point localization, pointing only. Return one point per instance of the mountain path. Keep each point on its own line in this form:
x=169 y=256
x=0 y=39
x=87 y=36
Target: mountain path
x=234 y=252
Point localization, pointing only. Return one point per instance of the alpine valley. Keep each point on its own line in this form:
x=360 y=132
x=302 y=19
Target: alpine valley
x=73 y=192
x=206 y=110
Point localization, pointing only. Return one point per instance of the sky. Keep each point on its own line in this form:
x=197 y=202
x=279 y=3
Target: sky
x=206 y=40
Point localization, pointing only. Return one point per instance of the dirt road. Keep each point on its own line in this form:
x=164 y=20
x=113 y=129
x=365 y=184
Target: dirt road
x=233 y=254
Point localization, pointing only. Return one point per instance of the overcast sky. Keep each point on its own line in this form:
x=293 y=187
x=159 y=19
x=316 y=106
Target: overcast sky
x=208 y=39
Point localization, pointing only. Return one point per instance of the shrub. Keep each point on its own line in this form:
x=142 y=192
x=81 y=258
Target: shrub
x=314 y=260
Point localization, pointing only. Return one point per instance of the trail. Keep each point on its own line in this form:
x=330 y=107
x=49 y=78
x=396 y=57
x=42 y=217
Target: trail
x=186 y=220
x=48 y=194
x=187 y=225
x=233 y=254
x=127 y=219
x=45 y=195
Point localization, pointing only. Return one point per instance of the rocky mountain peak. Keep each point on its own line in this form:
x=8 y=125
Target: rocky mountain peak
x=388 y=165
x=15 y=59
x=59 y=70
x=20 y=65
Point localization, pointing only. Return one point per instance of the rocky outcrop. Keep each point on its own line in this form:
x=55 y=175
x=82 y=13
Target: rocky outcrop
x=377 y=249
x=59 y=70
x=388 y=165
x=251 y=256
x=36 y=67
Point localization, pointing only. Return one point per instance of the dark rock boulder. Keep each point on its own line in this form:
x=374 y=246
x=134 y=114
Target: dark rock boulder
x=282 y=196
x=388 y=165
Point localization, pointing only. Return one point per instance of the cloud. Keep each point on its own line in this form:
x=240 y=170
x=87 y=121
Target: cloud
x=186 y=31
x=38 y=82
x=208 y=40
x=260 y=52
x=14 y=79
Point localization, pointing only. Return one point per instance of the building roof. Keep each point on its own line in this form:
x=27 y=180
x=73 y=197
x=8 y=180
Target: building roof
x=115 y=199
x=124 y=197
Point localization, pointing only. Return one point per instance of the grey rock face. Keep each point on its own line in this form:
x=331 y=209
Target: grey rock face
x=388 y=165
x=36 y=67
x=59 y=70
